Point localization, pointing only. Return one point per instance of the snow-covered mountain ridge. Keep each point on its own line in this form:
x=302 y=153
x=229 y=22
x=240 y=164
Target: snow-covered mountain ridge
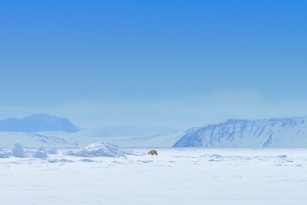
x=37 y=123
x=275 y=132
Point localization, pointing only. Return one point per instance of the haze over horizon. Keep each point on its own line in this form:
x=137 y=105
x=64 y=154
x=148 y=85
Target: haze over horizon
x=159 y=63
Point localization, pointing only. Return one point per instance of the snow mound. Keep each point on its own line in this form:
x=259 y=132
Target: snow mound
x=4 y=154
x=52 y=150
x=18 y=151
x=100 y=149
x=41 y=152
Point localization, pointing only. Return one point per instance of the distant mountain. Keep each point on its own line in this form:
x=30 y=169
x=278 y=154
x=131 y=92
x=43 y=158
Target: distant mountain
x=276 y=132
x=37 y=123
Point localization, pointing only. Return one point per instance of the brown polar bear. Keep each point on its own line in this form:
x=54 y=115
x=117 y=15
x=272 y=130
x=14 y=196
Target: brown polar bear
x=153 y=152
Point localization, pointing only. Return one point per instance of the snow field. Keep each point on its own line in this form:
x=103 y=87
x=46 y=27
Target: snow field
x=175 y=176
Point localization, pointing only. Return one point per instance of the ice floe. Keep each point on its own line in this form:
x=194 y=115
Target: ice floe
x=18 y=151
x=41 y=152
x=100 y=149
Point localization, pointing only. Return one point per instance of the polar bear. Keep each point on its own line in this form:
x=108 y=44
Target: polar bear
x=153 y=152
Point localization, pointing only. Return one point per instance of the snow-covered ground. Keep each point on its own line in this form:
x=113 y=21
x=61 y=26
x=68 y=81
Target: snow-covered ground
x=85 y=137
x=176 y=176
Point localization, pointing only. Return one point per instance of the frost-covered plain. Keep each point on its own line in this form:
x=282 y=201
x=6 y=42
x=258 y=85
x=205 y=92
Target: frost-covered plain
x=175 y=176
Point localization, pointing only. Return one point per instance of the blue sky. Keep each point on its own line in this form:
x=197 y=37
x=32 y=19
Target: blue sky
x=164 y=63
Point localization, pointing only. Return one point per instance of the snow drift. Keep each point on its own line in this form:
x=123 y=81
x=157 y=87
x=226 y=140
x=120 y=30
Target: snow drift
x=100 y=149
